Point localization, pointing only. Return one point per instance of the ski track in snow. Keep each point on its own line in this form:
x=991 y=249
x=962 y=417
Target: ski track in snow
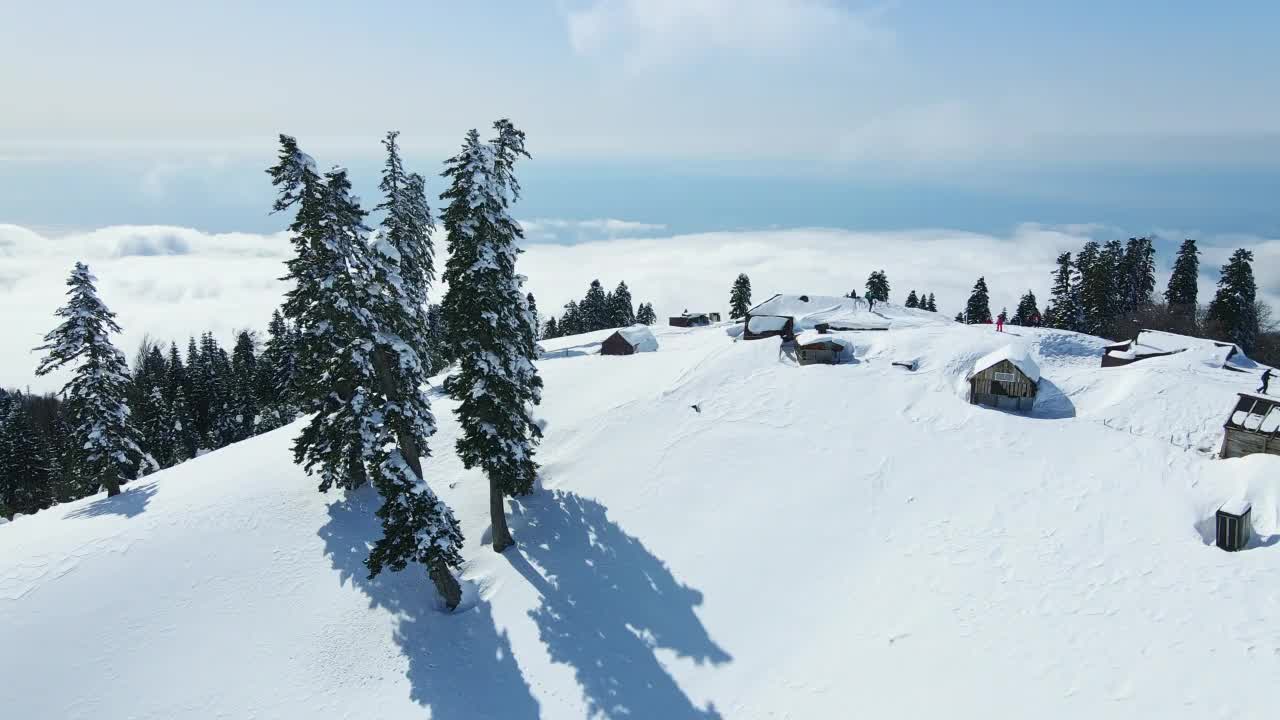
x=815 y=541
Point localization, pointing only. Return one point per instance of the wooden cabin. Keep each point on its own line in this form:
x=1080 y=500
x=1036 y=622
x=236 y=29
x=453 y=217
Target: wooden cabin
x=629 y=341
x=1007 y=378
x=758 y=327
x=689 y=319
x=818 y=349
x=1252 y=427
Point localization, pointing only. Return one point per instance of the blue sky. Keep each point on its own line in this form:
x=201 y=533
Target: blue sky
x=693 y=114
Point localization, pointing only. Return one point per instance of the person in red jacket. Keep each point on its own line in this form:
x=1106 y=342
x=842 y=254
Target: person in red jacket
x=1000 y=322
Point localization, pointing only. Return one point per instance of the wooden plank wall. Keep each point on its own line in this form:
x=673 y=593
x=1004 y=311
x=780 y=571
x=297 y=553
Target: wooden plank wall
x=984 y=383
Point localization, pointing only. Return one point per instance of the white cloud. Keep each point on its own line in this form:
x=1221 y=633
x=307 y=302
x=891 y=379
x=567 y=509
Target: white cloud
x=559 y=229
x=647 y=33
x=174 y=282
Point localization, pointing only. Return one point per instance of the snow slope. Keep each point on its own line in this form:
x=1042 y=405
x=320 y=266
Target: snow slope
x=820 y=541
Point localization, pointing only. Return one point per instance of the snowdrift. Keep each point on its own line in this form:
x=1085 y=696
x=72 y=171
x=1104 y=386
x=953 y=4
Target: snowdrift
x=819 y=541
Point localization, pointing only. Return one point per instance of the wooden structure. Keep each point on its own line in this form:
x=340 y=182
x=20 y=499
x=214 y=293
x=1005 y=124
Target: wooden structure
x=1233 y=525
x=629 y=341
x=758 y=327
x=1157 y=343
x=1007 y=378
x=1252 y=427
x=818 y=351
x=693 y=319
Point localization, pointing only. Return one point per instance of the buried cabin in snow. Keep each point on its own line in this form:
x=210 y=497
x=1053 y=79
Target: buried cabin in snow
x=688 y=319
x=1252 y=427
x=1007 y=378
x=629 y=341
x=815 y=348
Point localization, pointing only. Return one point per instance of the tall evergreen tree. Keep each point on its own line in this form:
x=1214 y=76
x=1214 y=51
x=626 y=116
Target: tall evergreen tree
x=1233 y=312
x=739 y=297
x=275 y=376
x=932 y=304
x=571 y=323
x=532 y=303
x=486 y=310
x=913 y=301
x=1137 y=277
x=242 y=401
x=622 y=311
x=1026 y=309
x=439 y=352
x=108 y=453
x=978 y=309
x=175 y=373
x=25 y=473
x=594 y=308
x=551 y=329
x=645 y=315
x=878 y=286
x=1063 y=311
x=370 y=418
x=1184 y=287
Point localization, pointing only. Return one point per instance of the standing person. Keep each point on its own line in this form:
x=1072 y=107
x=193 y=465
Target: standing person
x=871 y=302
x=1000 y=322
x=1266 y=380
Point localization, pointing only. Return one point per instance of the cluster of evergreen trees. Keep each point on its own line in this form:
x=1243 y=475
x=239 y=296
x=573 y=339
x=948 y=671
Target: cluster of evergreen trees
x=922 y=301
x=1109 y=290
x=599 y=310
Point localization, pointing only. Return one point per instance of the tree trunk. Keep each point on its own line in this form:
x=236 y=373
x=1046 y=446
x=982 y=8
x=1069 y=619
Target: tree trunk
x=446 y=584
x=498 y=518
x=112 y=484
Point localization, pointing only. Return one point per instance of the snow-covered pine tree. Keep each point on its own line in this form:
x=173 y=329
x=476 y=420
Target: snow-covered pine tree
x=1026 y=309
x=1097 y=274
x=1233 y=312
x=1137 y=281
x=978 y=309
x=932 y=305
x=175 y=374
x=878 y=286
x=417 y=525
x=161 y=430
x=439 y=354
x=532 y=303
x=25 y=473
x=571 y=323
x=959 y=317
x=275 y=376
x=1063 y=311
x=242 y=396
x=622 y=310
x=1184 y=287
x=370 y=417
x=108 y=453
x=739 y=297
x=551 y=329
x=913 y=300
x=594 y=308
x=645 y=314
x=490 y=322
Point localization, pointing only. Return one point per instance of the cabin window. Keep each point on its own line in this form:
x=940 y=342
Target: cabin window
x=1005 y=377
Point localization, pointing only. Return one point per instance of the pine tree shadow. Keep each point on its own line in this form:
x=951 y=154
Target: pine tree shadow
x=607 y=605
x=460 y=665
x=131 y=502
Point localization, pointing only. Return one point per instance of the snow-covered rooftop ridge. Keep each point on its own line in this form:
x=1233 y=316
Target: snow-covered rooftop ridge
x=640 y=337
x=1236 y=506
x=798 y=306
x=1017 y=354
x=1168 y=342
x=812 y=336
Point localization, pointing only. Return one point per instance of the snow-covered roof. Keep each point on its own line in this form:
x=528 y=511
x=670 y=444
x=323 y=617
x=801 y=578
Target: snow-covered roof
x=1237 y=506
x=1018 y=355
x=1161 y=341
x=808 y=337
x=640 y=337
x=809 y=311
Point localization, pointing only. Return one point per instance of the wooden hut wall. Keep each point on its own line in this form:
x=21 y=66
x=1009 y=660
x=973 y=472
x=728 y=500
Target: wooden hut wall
x=1238 y=440
x=615 y=344
x=986 y=389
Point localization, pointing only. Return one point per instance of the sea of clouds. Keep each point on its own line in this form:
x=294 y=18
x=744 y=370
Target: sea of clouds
x=170 y=282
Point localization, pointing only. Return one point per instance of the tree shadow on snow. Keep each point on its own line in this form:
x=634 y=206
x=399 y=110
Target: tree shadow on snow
x=460 y=665
x=131 y=502
x=607 y=605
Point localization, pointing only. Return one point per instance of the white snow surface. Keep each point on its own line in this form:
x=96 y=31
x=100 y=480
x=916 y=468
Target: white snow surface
x=851 y=313
x=640 y=337
x=1017 y=354
x=786 y=551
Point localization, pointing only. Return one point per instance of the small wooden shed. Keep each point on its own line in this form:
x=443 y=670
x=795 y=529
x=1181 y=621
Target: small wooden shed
x=1234 y=525
x=813 y=348
x=1252 y=427
x=629 y=341
x=1007 y=378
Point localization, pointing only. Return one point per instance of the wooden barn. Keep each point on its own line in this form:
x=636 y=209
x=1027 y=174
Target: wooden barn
x=629 y=341
x=814 y=348
x=1252 y=427
x=1007 y=378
